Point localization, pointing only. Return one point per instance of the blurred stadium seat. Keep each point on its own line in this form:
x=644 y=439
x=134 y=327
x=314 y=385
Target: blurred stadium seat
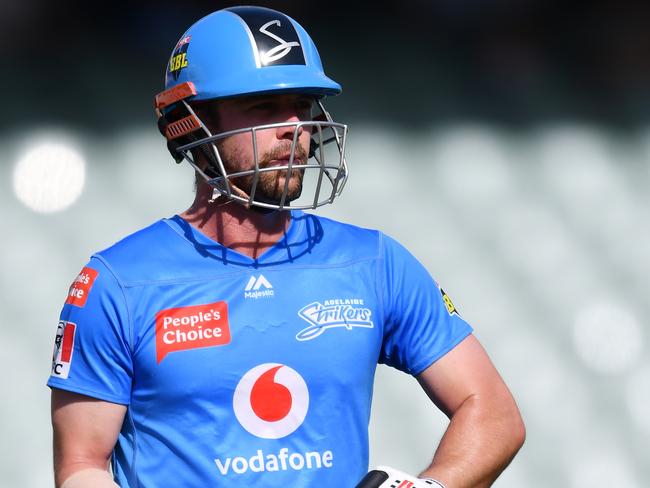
x=540 y=238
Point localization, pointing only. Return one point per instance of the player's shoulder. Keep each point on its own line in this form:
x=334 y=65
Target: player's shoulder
x=137 y=254
x=136 y=242
x=367 y=241
x=356 y=240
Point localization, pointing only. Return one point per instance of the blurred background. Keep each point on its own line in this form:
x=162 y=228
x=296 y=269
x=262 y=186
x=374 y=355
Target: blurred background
x=505 y=143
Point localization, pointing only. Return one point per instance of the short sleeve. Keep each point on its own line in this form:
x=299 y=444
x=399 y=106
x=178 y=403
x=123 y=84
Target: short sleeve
x=91 y=354
x=421 y=323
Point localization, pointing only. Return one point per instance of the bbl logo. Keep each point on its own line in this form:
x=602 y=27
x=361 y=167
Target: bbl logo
x=271 y=401
x=178 y=60
x=449 y=305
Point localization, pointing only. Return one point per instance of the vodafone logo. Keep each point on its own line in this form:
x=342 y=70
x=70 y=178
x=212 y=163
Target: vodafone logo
x=271 y=401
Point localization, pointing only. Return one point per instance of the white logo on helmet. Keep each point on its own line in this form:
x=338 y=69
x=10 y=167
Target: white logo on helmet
x=271 y=401
x=279 y=51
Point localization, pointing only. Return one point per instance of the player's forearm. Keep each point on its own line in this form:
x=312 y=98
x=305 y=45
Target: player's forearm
x=64 y=470
x=90 y=478
x=482 y=438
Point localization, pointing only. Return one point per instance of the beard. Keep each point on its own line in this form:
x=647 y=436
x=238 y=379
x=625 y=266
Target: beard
x=270 y=183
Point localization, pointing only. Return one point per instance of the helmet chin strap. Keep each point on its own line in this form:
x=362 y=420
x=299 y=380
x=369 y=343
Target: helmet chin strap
x=216 y=193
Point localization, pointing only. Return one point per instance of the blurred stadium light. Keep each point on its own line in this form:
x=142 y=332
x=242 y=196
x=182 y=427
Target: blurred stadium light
x=49 y=176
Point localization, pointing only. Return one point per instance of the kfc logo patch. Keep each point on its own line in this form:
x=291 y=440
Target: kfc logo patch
x=183 y=328
x=63 y=349
x=80 y=287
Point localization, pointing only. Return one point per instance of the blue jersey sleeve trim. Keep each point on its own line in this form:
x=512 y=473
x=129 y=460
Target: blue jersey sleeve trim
x=418 y=326
x=423 y=365
x=99 y=395
x=125 y=339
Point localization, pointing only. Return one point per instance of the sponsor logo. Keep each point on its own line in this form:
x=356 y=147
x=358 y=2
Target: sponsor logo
x=80 y=287
x=451 y=309
x=63 y=349
x=348 y=313
x=283 y=460
x=271 y=401
x=258 y=287
x=273 y=37
x=183 y=328
x=281 y=50
x=178 y=61
x=405 y=484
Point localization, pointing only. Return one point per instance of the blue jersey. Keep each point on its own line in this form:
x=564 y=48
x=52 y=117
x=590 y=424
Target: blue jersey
x=247 y=372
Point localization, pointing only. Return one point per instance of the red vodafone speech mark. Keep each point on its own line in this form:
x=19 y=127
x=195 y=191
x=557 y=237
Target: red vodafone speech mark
x=80 y=287
x=270 y=401
x=182 y=328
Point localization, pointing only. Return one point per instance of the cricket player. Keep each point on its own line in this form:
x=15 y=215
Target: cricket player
x=235 y=343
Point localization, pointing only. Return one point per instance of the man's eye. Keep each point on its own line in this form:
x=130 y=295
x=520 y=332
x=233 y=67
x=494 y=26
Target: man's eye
x=304 y=111
x=262 y=106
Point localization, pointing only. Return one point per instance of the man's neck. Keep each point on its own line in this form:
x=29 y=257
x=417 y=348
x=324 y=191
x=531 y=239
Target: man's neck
x=242 y=229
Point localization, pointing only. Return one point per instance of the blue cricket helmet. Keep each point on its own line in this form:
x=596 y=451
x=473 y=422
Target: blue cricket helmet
x=241 y=51
x=248 y=50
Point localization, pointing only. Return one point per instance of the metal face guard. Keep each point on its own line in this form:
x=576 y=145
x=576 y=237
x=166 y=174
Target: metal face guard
x=188 y=125
x=330 y=178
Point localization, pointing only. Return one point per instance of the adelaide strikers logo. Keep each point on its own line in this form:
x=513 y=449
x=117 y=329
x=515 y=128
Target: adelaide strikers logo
x=271 y=401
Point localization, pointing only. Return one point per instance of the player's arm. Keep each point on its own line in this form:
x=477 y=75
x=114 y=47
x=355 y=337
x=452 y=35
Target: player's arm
x=485 y=430
x=85 y=432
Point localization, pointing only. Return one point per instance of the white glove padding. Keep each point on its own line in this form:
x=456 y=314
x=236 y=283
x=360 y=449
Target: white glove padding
x=387 y=477
x=90 y=478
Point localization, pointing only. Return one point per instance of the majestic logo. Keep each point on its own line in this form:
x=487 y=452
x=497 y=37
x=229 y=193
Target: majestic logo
x=271 y=401
x=346 y=313
x=182 y=328
x=279 y=51
x=258 y=287
x=63 y=349
x=80 y=287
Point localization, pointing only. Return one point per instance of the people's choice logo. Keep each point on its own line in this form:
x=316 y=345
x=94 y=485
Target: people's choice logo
x=80 y=287
x=279 y=51
x=184 y=328
x=271 y=401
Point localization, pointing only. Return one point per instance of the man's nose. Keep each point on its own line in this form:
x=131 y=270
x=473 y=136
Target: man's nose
x=287 y=131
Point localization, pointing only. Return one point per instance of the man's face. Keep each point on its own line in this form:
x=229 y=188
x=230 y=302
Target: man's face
x=273 y=145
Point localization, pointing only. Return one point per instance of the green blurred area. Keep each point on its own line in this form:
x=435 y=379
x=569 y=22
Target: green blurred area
x=407 y=63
